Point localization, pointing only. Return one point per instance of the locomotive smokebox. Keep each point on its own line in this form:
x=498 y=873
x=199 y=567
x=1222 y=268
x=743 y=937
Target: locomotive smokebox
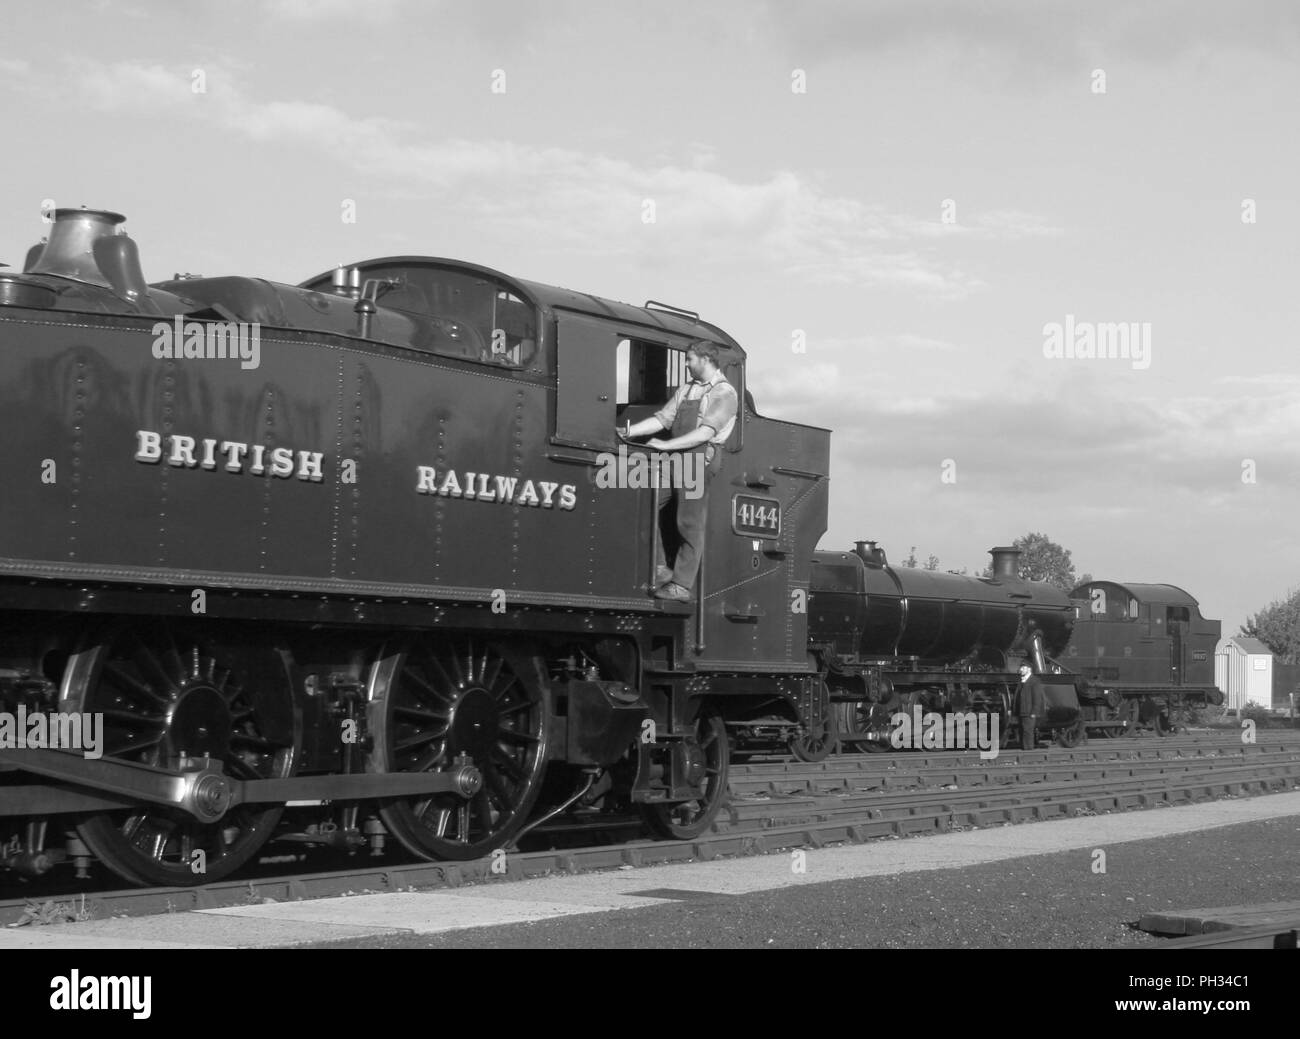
x=70 y=252
x=1006 y=562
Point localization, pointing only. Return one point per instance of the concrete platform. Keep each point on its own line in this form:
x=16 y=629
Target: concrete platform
x=432 y=912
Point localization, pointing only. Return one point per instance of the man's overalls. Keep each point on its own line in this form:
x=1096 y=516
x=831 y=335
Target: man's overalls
x=690 y=511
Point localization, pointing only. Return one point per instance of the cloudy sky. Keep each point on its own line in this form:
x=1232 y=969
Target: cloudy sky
x=920 y=188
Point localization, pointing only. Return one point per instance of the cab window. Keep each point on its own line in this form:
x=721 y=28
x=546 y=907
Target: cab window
x=461 y=314
x=648 y=373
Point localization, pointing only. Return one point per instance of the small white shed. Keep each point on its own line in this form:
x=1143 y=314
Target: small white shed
x=1243 y=670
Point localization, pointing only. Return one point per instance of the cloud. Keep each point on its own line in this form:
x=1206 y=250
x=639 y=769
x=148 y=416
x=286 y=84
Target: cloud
x=582 y=201
x=14 y=67
x=1036 y=39
x=1004 y=224
x=126 y=86
x=1099 y=433
x=342 y=11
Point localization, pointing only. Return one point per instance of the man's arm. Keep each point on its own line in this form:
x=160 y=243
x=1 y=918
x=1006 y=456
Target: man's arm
x=661 y=419
x=646 y=425
x=697 y=436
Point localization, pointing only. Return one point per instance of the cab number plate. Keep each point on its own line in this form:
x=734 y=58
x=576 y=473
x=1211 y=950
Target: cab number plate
x=755 y=517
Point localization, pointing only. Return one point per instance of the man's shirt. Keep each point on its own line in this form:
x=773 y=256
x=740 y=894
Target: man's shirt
x=718 y=406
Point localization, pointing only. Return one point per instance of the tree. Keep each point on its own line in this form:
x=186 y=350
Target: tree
x=1042 y=559
x=1278 y=627
x=911 y=562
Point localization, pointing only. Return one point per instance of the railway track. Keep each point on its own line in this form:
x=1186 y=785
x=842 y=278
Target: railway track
x=947 y=767
x=777 y=806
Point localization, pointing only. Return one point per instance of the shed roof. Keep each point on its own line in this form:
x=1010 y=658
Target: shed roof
x=1249 y=645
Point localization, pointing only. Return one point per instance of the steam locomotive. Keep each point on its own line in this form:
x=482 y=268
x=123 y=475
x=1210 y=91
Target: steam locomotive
x=331 y=564
x=1145 y=654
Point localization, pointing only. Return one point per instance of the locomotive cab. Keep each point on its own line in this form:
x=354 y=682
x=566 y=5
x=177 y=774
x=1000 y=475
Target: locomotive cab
x=1145 y=654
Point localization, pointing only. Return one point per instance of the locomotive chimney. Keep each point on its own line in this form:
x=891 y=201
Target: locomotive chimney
x=70 y=252
x=1006 y=562
x=870 y=552
x=85 y=246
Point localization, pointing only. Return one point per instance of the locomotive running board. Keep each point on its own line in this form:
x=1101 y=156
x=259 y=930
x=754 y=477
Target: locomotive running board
x=205 y=792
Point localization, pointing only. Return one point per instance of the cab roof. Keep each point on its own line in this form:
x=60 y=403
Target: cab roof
x=552 y=297
x=1155 y=594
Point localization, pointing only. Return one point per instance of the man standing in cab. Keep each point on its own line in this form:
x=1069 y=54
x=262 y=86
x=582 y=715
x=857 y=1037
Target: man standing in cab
x=698 y=418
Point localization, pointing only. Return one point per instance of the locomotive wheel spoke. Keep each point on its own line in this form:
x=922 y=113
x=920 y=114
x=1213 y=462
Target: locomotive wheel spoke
x=170 y=662
x=440 y=703
x=459 y=678
x=121 y=750
x=502 y=692
x=122 y=680
x=155 y=675
x=507 y=764
x=496 y=788
x=427 y=760
x=489 y=682
x=424 y=691
x=484 y=809
x=241 y=768
x=119 y=714
x=419 y=740
x=419 y=715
